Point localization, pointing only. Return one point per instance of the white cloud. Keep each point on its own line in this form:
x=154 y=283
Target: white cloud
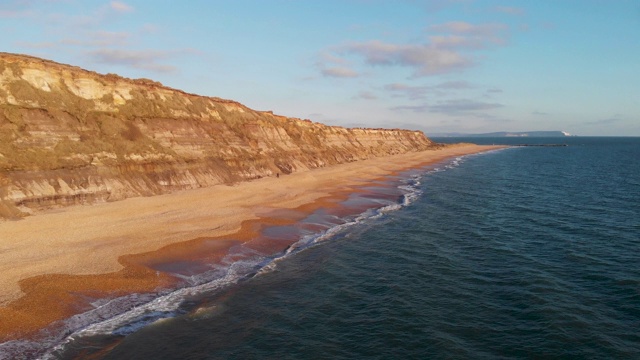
x=608 y=121
x=461 y=27
x=511 y=10
x=448 y=50
x=408 y=91
x=139 y=59
x=340 y=72
x=412 y=92
x=438 y=5
x=413 y=108
x=366 y=95
x=36 y=45
x=331 y=65
x=149 y=29
x=454 y=107
x=16 y=9
x=461 y=106
x=461 y=34
x=468 y=42
x=448 y=40
x=454 y=85
x=120 y=7
x=423 y=59
x=101 y=38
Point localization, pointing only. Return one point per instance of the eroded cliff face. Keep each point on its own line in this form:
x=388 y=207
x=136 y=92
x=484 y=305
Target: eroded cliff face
x=71 y=136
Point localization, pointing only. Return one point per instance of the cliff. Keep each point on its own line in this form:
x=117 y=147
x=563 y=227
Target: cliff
x=71 y=136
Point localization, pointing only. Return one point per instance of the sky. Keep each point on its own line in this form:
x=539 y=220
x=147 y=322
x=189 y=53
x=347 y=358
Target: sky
x=434 y=65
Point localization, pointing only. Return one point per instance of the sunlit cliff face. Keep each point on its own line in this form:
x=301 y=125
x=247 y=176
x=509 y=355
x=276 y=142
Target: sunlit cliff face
x=71 y=136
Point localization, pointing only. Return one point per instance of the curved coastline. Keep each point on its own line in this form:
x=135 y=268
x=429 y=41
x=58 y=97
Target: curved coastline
x=96 y=259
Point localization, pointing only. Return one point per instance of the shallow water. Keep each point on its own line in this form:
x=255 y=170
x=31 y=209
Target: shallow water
x=528 y=252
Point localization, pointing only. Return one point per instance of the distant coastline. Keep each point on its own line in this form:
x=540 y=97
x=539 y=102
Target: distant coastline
x=554 y=133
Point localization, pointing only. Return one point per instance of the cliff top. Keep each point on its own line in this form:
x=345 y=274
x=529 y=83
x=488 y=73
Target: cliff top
x=29 y=59
x=29 y=81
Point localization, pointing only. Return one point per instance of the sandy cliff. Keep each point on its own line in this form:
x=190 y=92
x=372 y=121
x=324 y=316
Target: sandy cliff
x=71 y=136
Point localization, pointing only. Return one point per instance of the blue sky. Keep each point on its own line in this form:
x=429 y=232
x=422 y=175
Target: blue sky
x=433 y=65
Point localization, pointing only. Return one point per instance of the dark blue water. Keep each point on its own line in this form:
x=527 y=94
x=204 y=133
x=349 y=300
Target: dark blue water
x=528 y=252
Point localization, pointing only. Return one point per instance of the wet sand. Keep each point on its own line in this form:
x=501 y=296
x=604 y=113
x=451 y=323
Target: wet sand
x=52 y=261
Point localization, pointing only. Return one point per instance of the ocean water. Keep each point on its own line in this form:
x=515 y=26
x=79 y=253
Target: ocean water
x=526 y=252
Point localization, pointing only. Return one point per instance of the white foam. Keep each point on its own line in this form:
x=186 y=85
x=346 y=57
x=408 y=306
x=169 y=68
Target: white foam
x=127 y=314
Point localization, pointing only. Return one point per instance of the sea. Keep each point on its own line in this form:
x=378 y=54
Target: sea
x=527 y=252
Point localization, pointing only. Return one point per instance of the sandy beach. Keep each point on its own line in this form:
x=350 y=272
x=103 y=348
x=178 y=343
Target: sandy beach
x=49 y=258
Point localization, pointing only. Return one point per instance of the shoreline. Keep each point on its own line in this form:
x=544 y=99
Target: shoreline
x=109 y=249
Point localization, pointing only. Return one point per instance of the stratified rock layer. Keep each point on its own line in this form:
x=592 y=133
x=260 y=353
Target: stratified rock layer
x=71 y=136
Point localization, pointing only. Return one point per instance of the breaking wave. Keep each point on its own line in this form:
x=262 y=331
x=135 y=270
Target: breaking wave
x=127 y=314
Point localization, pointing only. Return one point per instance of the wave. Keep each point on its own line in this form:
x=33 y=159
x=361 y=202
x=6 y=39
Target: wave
x=128 y=314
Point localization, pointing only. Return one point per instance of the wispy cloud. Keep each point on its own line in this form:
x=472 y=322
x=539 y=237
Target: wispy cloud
x=37 y=45
x=139 y=59
x=93 y=35
x=462 y=27
x=465 y=42
x=438 y=5
x=335 y=66
x=423 y=59
x=454 y=85
x=339 y=72
x=8 y=14
x=99 y=17
x=413 y=108
x=404 y=90
x=459 y=106
x=607 y=121
x=460 y=35
x=110 y=38
x=15 y=9
x=511 y=10
x=100 y=39
x=366 y=95
x=449 y=49
x=489 y=93
x=453 y=41
x=413 y=92
x=120 y=7
x=149 y=29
